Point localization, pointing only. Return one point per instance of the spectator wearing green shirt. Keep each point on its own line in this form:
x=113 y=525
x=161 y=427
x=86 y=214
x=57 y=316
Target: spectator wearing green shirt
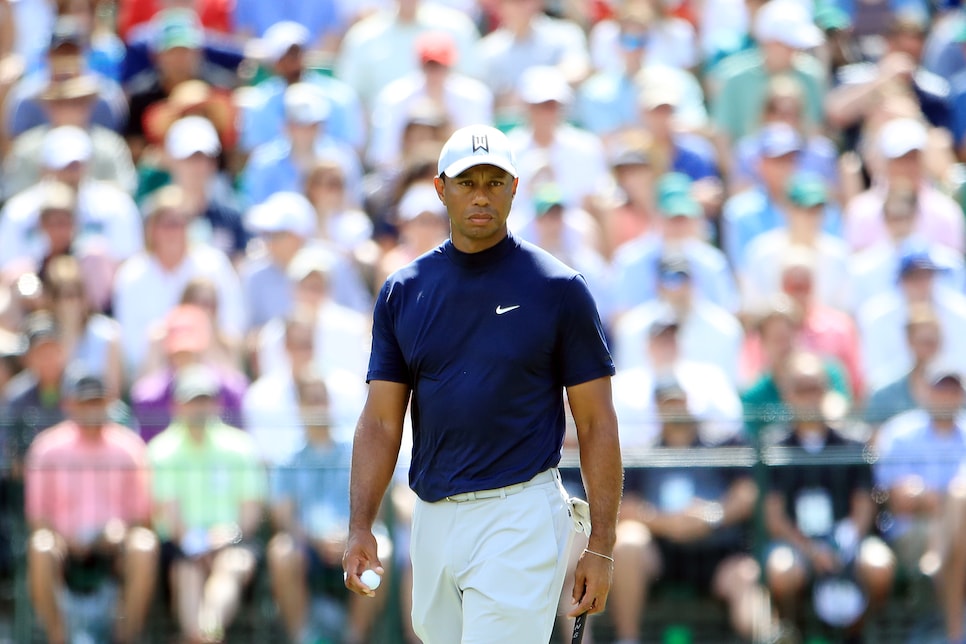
x=784 y=32
x=764 y=405
x=209 y=491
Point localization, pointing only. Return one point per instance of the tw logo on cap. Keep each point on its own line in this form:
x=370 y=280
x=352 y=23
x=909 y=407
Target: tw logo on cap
x=480 y=142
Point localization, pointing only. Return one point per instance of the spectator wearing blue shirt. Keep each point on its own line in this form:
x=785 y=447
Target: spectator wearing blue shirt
x=921 y=458
x=310 y=512
x=262 y=119
x=283 y=163
x=321 y=19
x=636 y=263
x=761 y=208
x=67 y=56
x=958 y=98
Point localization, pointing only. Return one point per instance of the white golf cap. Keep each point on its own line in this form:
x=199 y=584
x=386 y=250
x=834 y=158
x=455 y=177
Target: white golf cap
x=281 y=37
x=476 y=145
x=190 y=135
x=65 y=145
x=787 y=22
x=901 y=136
x=283 y=212
x=544 y=83
x=306 y=104
x=420 y=198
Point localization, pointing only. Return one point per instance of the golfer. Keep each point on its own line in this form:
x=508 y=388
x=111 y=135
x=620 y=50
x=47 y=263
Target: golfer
x=484 y=333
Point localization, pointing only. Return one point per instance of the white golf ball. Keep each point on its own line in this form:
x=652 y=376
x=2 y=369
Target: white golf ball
x=371 y=578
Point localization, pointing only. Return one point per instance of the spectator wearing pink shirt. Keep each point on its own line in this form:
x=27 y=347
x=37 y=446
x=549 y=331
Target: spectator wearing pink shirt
x=87 y=498
x=939 y=219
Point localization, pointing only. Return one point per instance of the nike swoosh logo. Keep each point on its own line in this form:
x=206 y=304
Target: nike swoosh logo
x=500 y=310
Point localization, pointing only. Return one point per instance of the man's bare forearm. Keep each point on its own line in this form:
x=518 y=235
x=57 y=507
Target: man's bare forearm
x=603 y=475
x=374 y=454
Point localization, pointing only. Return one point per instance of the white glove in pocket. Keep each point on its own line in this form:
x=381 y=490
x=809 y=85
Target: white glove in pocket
x=579 y=514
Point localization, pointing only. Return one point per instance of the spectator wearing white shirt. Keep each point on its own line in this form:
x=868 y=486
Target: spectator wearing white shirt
x=636 y=263
x=882 y=320
x=576 y=158
x=379 y=48
x=422 y=224
x=150 y=284
x=527 y=38
x=760 y=280
x=341 y=335
x=708 y=333
x=463 y=99
x=270 y=409
x=873 y=270
x=712 y=396
x=107 y=220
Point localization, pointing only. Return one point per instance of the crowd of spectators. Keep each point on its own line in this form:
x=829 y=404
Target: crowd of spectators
x=201 y=198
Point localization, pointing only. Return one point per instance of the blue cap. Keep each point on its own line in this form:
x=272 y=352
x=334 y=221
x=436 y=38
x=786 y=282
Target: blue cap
x=779 y=139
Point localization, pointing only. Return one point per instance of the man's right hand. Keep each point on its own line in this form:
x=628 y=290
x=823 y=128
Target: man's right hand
x=360 y=555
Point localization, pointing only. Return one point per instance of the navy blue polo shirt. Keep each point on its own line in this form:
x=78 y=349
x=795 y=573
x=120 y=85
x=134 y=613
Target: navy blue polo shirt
x=486 y=341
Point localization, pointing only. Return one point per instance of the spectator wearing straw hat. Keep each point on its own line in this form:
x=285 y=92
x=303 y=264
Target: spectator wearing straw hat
x=69 y=102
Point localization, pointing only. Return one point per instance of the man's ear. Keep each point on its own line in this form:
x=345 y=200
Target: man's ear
x=516 y=183
x=439 y=184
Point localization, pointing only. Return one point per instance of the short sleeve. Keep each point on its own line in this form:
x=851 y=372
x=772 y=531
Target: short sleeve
x=582 y=348
x=386 y=360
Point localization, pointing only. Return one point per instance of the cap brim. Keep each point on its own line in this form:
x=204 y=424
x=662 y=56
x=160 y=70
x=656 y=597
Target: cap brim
x=461 y=165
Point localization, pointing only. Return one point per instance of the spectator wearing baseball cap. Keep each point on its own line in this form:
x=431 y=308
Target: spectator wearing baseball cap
x=422 y=224
x=69 y=102
x=709 y=333
x=107 y=216
x=873 y=270
x=807 y=197
x=576 y=158
x=282 y=49
x=151 y=283
x=679 y=230
x=901 y=143
x=176 y=56
x=763 y=207
x=192 y=148
x=784 y=103
x=186 y=342
x=785 y=33
x=882 y=318
x=462 y=99
x=342 y=334
x=527 y=38
x=283 y=163
x=379 y=48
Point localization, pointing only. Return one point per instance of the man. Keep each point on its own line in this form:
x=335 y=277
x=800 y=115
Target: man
x=69 y=102
x=150 y=284
x=106 y=215
x=283 y=47
x=488 y=418
x=87 y=502
x=310 y=510
x=576 y=158
x=921 y=456
x=901 y=148
x=688 y=524
x=819 y=511
x=464 y=100
x=283 y=164
x=209 y=490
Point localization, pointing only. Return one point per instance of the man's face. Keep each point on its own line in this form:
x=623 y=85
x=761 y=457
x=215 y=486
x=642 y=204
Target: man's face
x=924 y=341
x=197 y=411
x=46 y=360
x=678 y=428
x=946 y=399
x=804 y=395
x=478 y=203
x=546 y=114
x=917 y=285
x=776 y=171
x=58 y=227
x=907 y=168
x=70 y=111
x=300 y=346
x=178 y=64
x=71 y=174
x=89 y=413
x=169 y=230
x=290 y=65
x=196 y=170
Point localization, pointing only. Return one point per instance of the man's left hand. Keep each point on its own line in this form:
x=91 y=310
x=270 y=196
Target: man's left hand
x=592 y=580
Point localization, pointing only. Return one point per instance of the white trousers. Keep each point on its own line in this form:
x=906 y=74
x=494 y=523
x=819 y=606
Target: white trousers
x=491 y=569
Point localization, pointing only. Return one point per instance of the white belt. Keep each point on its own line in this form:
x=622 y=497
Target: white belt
x=545 y=476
